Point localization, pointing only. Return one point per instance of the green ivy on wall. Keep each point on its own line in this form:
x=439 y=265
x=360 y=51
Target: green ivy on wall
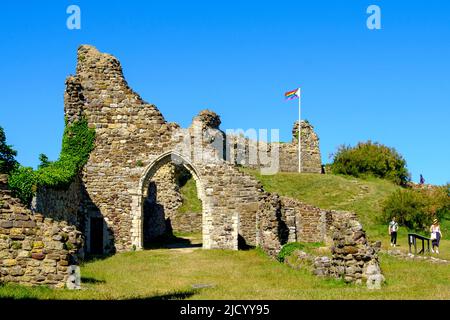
x=77 y=144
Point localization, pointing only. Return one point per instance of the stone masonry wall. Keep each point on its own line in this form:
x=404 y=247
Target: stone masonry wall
x=354 y=258
x=244 y=151
x=60 y=204
x=282 y=220
x=34 y=249
x=306 y=222
x=187 y=222
x=311 y=158
x=272 y=231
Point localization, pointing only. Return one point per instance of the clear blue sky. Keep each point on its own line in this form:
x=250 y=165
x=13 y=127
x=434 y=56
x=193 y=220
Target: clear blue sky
x=238 y=58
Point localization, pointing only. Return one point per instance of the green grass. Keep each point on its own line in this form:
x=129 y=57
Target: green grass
x=171 y=274
x=191 y=203
x=164 y=273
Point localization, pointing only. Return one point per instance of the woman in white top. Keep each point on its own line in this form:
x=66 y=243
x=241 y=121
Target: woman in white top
x=436 y=235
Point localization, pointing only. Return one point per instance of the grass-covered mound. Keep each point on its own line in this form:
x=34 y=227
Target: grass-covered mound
x=191 y=202
x=327 y=191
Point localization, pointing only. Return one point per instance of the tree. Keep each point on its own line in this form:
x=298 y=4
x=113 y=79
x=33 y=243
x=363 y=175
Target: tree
x=44 y=162
x=7 y=155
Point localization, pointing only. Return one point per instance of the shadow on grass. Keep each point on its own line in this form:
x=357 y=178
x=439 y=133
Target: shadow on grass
x=170 y=241
x=180 y=295
x=96 y=257
x=17 y=293
x=91 y=280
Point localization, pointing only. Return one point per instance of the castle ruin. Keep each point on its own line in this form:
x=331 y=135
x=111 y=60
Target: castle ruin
x=128 y=194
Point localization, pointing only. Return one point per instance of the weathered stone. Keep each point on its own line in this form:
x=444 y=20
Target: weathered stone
x=374 y=281
x=6 y=224
x=38 y=245
x=16 y=271
x=38 y=256
x=9 y=262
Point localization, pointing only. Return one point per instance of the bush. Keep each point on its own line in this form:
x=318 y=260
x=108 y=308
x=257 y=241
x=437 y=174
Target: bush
x=374 y=159
x=416 y=209
x=78 y=142
x=22 y=183
x=7 y=155
x=288 y=249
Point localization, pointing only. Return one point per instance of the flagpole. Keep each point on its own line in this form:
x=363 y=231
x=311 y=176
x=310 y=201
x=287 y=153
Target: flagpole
x=299 y=131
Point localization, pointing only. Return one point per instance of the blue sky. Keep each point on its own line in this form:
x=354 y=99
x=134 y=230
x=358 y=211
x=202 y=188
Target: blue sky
x=238 y=58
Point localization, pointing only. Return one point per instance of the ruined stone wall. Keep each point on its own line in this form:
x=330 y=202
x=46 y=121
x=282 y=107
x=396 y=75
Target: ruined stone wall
x=125 y=127
x=354 y=258
x=311 y=158
x=256 y=155
x=306 y=222
x=34 y=249
x=272 y=230
x=282 y=220
x=60 y=204
x=130 y=136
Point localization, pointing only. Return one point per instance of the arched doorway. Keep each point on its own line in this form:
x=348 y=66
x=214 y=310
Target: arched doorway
x=158 y=199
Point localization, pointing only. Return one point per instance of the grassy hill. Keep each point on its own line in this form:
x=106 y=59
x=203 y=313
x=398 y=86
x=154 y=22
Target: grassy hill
x=363 y=196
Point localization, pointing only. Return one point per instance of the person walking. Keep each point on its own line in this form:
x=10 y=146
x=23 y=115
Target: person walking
x=393 y=228
x=436 y=236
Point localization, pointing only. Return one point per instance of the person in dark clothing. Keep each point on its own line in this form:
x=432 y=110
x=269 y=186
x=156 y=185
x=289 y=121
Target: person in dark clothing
x=393 y=228
x=422 y=180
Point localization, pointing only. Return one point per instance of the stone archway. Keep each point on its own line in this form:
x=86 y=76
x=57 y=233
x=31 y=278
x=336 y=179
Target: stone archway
x=137 y=231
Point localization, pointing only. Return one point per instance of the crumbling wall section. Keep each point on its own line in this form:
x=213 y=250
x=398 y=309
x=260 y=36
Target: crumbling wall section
x=34 y=250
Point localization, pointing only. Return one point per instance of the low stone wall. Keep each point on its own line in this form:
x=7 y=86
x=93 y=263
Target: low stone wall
x=306 y=223
x=319 y=266
x=34 y=249
x=282 y=220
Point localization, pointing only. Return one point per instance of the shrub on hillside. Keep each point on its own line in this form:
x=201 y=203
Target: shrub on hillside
x=416 y=209
x=374 y=159
x=7 y=155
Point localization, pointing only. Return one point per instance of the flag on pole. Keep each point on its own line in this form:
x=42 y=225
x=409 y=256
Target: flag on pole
x=294 y=94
